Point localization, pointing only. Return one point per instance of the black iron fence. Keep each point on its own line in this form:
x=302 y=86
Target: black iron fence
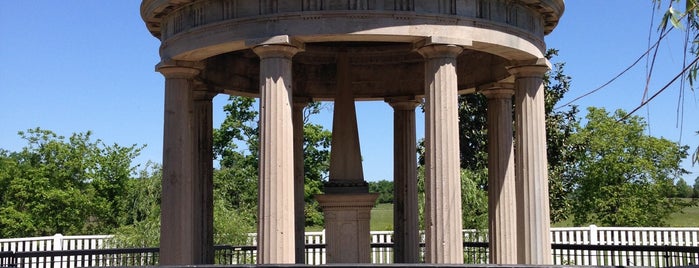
x=382 y=253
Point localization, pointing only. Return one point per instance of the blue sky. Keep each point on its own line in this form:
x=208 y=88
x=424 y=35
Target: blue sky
x=89 y=65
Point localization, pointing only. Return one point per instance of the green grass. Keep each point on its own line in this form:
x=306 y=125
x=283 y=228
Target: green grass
x=688 y=218
x=382 y=217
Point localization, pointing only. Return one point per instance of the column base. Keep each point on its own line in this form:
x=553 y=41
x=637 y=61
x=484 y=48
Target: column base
x=347 y=226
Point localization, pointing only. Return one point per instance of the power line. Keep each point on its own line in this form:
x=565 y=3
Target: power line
x=618 y=75
x=661 y=90
x=662 y=36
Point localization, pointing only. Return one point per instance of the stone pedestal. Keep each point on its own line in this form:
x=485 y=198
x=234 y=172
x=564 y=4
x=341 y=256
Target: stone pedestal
x=347 y=232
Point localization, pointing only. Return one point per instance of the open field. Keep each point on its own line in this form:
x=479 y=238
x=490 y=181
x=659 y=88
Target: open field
x=382 y=219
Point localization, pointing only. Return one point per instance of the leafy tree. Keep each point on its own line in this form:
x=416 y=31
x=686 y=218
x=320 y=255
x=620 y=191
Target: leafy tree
x=73 y=185
x=236 y=144
x=142 y=218
x=683 y=190
x=473 y=139
x=474 y=198
x=620 y=176
x=385 y=190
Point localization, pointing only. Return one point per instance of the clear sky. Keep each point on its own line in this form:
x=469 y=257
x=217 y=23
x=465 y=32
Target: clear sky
x=74 y=66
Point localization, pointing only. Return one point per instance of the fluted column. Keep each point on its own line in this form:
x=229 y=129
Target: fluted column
x=276 y=182
x=502 y=212
x=299 y=176
x=405 y=208
x=184 y=233
x=443 y=234
x=533 y=219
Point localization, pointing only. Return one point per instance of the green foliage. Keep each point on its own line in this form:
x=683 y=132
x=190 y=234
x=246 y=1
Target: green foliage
x=683 y=190
x=385 y=190
x=236 y=145
x=141 y=227
x=559 y=127
x=473 y=139
x=474 y=199
x=620 y=176
x=73 y=185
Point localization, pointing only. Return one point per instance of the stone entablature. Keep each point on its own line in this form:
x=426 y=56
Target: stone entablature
x=536 y=16
x=215 y=22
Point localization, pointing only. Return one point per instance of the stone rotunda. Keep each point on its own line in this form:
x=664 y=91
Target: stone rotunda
x=403 y=52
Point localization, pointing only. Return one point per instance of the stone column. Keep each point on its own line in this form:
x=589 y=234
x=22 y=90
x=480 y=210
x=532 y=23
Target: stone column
x=276 y=182
x=502 y=211
x=299 y=176
x=186 y=233
x=406 y=237
x=533 y=219
x=443 y=234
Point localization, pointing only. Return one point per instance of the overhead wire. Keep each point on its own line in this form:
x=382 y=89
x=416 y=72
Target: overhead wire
x=684 y=70
x=618 y=75
x=657 y=43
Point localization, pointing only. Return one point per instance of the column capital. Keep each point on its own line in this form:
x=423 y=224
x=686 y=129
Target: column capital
x=275 y=51
x=536 y=68
x=403 y=103
x=179 y=69
x=497 y=90
x=440 y=51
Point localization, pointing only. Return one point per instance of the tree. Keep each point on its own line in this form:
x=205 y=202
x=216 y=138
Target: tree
x=473 y=139
x=73 y=185
x=385 y=190
x=142 y=217
x=620 y=176
x=683 y=190
x=236 y=145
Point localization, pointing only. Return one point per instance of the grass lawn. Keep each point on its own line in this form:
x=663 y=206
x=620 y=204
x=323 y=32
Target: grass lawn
x=382 y=217
x=688 y=218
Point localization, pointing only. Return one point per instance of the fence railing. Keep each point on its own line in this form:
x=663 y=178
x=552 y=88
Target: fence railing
x=474 y=253
x=576 y=246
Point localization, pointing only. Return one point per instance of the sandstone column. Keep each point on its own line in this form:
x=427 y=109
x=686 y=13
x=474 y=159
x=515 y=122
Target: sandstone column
x=276 y=182
x=502 y=211
x=186 y=233
x=533 y=219
x=443 y=234
x=405 y=208
x=299 y=176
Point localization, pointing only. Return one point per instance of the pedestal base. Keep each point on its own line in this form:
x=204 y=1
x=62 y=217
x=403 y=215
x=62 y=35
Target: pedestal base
x=347 y=226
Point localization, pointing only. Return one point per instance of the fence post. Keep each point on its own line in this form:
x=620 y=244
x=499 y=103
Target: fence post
x=593 y=241
x=57 y=243
x=593 y=235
